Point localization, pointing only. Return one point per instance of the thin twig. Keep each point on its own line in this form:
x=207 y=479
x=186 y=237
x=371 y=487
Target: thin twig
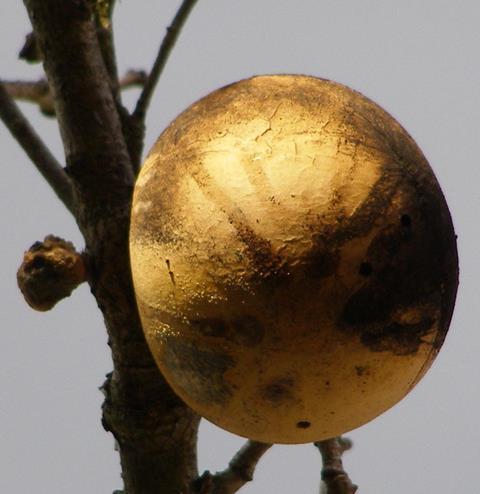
x=39 y=92
x=334 y=478
x=36 y=150
x=34 y=92
x=103 y=22
x=133 y=78
x=240 y=470
x=166 y=47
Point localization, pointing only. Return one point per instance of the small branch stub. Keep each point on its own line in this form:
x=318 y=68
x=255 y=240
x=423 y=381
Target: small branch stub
x=50 y=271
x=30 y=51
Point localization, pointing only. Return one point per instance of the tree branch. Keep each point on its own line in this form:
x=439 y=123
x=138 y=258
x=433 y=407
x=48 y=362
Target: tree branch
x=39 y=92
x=133 y=78
x=166 y=47
x=334 y=478
x=155 y=430
x=103 y=21
x=36 y=150
x=240 y=470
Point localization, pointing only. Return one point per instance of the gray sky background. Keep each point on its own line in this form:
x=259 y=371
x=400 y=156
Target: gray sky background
x=417 y=59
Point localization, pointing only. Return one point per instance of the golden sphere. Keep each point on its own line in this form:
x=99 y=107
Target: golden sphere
x=294 y=259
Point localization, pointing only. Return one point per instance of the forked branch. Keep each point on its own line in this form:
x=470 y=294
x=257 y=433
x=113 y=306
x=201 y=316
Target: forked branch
x=166 y=47
x=334 y=478
x=36 y=150
x=240 y=470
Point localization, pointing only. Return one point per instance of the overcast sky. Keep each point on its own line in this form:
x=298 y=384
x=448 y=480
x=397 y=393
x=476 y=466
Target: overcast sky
x=417 y=59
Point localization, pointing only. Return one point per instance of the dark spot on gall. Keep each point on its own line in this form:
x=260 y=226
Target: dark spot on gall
x=200 y=372
x=361 y=370
x=411 y=270
x=365 y=269
x=406 y=220
x=247 y=331
x=278 y=391
x=369 y=305
x=265 y=263
x=321 y=263
x=400 y=339
x=210 y=326
x=303 y=424
x=38 y=262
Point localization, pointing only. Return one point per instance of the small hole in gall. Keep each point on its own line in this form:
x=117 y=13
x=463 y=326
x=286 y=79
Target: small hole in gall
x=406 y=220
x=365 y=269
x=303 y=424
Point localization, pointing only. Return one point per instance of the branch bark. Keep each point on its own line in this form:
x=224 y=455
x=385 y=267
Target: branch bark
x=240 y=470
x=36 y=150
x=30 y=52
x=155 y=431
x=335 y=479
x=103 y=21
x=39 y=93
